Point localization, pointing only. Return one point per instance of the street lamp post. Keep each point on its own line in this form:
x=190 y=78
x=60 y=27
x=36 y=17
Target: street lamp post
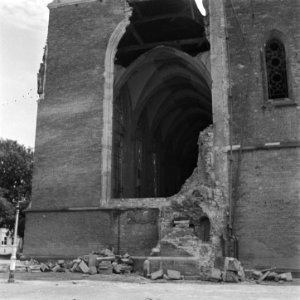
x=13 y=258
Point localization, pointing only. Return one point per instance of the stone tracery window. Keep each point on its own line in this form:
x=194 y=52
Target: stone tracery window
x=276 y=69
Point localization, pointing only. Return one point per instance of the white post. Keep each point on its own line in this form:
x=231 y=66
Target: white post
x=13 y=258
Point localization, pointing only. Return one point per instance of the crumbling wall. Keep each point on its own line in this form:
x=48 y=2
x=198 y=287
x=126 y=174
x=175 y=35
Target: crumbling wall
x=200 y=197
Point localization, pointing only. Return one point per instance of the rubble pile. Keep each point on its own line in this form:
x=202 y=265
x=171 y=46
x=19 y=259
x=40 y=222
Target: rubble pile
x=268 y=275
x=233 y=271
x=103 y=262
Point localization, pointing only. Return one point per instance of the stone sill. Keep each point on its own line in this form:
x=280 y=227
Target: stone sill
x=281 y=102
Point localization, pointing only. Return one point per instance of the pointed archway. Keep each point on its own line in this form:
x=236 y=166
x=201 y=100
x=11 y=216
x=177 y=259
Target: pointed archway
x=162 y=102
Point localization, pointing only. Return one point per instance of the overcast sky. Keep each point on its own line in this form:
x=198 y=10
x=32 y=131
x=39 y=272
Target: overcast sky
x=23 y=32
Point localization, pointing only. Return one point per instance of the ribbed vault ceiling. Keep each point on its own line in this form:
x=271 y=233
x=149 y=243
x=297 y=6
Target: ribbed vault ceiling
x=172 y=92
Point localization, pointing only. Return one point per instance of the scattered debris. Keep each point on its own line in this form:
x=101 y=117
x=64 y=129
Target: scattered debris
x=103 y=262
x=106 y=262
x=268 y=275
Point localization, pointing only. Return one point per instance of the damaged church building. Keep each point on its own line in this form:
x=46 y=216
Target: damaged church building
x=169 y=133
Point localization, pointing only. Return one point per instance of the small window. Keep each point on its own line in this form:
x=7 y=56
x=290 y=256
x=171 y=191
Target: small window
x=276 y=69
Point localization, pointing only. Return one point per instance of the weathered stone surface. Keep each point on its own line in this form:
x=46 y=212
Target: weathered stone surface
x=44 y=268
x=273 y=276
x=232 y=264
x=215 y=275
x=61 y=262
x=256 y=274
x=230 y=276
x=286 y=276
x=173 y=275
x=157 y=275
x=83 y=267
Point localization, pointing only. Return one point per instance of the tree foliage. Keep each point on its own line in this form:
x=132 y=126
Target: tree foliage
x=16 y=165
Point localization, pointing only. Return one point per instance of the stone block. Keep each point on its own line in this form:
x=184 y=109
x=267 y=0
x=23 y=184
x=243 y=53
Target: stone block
x=116 y=268
x=273 y=276
x=256 y=274
x=61 y=262
x=230 y=276
x=34 y=268
x=215 y=275
x=104 y=265
x=157 y=275
x=74 y=267
x=83 y=267
x=55 y=268
x=232 y=264
x=173 y=275
x=44 y=268
x=286 y=276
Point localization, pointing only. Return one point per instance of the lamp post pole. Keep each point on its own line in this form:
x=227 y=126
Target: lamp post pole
x=13 y=258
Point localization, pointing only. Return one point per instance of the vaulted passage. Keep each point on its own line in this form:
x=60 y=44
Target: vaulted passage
x=162 y=102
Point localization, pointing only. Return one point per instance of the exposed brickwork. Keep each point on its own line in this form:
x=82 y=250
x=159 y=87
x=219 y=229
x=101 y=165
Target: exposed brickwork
x=68 y=140
x=267 y=188
x=268 y=208
x=76 y=233
x=253 y=123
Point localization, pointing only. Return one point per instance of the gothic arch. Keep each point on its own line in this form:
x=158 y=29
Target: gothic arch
x=106 y=152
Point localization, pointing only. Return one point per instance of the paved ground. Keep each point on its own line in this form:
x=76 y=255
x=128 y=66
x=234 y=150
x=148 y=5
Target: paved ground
x=86 y=289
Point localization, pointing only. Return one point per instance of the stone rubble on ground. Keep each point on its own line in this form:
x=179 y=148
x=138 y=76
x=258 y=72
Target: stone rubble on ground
x=103 y=262
x=106 y=262
x=169 y=275
x=233 y=271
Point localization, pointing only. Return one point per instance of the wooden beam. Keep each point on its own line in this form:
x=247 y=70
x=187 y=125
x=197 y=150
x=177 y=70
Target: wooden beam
x=176 y=43
x=162 y=17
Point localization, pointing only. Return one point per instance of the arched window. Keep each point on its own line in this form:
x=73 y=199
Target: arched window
x=276 y=69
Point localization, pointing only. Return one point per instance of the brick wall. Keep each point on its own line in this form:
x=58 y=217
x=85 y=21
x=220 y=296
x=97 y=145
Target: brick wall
x=268 y=208
x=267 y=190
x=68 y=138
x=73 y=233
x=253 y=123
